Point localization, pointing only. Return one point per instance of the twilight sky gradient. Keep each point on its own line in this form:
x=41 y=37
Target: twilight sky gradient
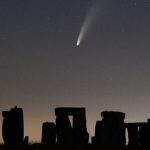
x=41 y=68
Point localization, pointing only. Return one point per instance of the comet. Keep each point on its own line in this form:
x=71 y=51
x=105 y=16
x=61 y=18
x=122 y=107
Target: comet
x=88 y=21
x=78 y=42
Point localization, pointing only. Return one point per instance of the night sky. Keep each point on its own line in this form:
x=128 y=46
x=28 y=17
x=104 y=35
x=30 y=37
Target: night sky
x=42 y=68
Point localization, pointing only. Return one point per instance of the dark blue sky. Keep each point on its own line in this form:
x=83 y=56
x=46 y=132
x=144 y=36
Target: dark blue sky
x=41 y=68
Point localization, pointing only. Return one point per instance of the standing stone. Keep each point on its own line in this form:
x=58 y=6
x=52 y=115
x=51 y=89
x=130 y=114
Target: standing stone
x=99 y=137
x=26 y=140
x=64 y=130
x=114 y=128
x=48 y=133
x=13 y=126
x=133 y=135
x=110 y=132
x=144 y=135
x=81 y=135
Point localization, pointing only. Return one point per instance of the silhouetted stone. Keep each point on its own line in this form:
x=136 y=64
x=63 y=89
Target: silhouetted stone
x=133 y=135
x=110 y=132
x=69 y=111
x=79 y=129
x=13 y=126
x=48 y=133
x=71 y=135
x=26 y=140
x=99 y=137
x=64 y=130
x=148 y=133
x=144 y=135
x=138 y=135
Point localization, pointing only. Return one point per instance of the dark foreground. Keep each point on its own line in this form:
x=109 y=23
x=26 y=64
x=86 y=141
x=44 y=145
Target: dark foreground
x=56 y=147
